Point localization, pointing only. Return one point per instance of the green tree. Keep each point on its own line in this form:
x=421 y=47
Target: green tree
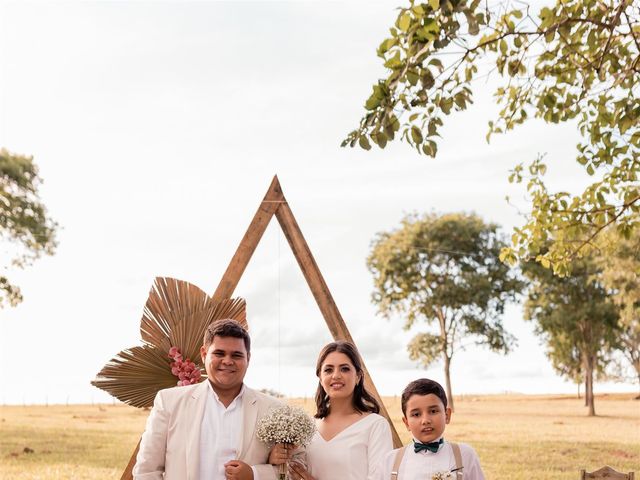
x=577 y=60
x=444 y=270
x=25 y=229
x=621 y=276
x=576 y=318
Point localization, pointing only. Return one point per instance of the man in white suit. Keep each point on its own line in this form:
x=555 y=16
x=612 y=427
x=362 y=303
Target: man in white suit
x=207 y=431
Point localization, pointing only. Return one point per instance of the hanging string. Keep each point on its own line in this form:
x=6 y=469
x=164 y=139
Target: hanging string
x=278 y=240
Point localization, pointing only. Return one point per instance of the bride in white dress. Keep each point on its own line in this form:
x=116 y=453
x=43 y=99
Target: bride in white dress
x=351 y=438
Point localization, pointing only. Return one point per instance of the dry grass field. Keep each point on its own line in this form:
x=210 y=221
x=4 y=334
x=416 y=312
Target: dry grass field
x=516 y=437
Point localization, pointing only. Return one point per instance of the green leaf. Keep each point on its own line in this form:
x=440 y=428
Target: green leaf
x=474 y=28
x=375 y=99
x=434 y=4
x=412 y=77
x=386 y=45
x=446 y=104
x=364 y=142
x=625 y=123
x=427 y=79
x=416 y=135
x=503 y=46
x=394 y=62
x=380 y=139
x=512 y=67
x=436 y=63
x=432 y=129
x=404 y=22
x=549 y=36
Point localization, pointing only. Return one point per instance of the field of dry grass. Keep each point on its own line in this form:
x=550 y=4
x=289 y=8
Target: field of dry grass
x=516 y=437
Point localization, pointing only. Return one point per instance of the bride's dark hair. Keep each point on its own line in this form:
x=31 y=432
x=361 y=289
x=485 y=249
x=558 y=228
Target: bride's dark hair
x=363 y=401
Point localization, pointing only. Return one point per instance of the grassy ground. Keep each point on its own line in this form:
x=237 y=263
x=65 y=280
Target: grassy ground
x=516 y=437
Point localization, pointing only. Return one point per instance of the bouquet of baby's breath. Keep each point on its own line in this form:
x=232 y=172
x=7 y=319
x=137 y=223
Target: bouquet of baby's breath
x=288 y=425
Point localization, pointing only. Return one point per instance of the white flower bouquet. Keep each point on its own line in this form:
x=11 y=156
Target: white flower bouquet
x=288 y=425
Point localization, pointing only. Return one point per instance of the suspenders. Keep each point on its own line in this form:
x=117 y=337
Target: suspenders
x=456 y=455
x=397 y=462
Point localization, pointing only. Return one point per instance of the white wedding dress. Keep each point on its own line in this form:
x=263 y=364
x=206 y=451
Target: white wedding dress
x=353 y=453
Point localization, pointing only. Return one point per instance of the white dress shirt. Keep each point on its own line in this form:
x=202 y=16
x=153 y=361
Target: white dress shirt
x=219 y=435
x=425 y=465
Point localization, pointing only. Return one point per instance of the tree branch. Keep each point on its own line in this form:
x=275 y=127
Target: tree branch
x=614 y=22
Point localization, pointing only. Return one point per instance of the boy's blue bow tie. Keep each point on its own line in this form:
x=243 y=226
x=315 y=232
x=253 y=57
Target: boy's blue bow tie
x=431 y=446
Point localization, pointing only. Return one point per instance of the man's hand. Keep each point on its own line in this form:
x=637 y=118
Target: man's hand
x=237 y=470
x=281 y=453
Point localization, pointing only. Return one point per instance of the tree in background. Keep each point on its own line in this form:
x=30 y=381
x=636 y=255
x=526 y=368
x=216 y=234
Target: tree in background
x=578 y=60
x=444 y=270
x=621 y=276
x=25 y=229
x=576 y=318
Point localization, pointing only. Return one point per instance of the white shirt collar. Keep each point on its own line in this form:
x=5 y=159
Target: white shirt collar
x=238 y=398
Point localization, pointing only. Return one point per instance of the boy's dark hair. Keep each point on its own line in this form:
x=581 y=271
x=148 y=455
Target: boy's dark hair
x=422 y=386
x=226 y=328
x=363 y=401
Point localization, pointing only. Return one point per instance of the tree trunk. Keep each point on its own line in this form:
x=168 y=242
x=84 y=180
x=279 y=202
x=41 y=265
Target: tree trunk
x=586 y=389
x=638 y=397
x=447 y=377
x=578 y=383
x=589 y=363
x=444 y=338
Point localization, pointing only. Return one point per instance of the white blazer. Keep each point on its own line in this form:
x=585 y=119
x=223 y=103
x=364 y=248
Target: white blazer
x=170 y=445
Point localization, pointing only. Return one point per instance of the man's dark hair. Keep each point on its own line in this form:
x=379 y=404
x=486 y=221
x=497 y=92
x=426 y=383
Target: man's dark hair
x=226 y=328
x=422 y=386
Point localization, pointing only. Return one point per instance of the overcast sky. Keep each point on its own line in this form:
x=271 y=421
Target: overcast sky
x=158 y=126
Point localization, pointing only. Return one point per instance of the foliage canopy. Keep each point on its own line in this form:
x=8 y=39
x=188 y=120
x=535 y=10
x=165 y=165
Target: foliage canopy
x=25 y=228
x=444 y=270
x=576 y=60
x=576 y=318
x=621 y=277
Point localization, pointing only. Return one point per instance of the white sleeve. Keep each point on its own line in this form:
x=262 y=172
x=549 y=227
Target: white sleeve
x=382 y=469
x=471 y=462
x=380 y=444
x=150 y=461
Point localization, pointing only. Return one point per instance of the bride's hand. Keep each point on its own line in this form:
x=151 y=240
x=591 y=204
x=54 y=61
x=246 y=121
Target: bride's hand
x=280 y=453
x=298 y=472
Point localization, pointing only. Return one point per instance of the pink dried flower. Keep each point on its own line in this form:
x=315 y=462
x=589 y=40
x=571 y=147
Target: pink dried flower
x=186 y=371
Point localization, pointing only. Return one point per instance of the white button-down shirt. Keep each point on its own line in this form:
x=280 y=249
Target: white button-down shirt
x=219 y=434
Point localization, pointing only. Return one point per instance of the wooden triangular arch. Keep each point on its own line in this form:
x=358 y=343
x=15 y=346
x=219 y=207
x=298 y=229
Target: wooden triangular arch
x=274 y=203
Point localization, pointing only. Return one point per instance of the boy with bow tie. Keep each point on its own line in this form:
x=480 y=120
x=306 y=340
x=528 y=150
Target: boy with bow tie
x=429 y=456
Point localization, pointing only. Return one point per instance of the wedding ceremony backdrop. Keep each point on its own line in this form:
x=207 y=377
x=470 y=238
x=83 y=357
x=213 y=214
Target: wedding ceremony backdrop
x=177 y=315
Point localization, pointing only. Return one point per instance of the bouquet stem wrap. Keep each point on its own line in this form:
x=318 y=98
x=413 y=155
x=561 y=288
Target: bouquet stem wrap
x=283 y=468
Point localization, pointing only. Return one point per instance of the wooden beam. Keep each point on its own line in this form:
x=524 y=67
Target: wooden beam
x=324 y=299
x=272 y=200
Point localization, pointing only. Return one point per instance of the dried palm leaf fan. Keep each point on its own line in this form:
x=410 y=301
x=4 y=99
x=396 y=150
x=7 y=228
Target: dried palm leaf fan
x=176 y=314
